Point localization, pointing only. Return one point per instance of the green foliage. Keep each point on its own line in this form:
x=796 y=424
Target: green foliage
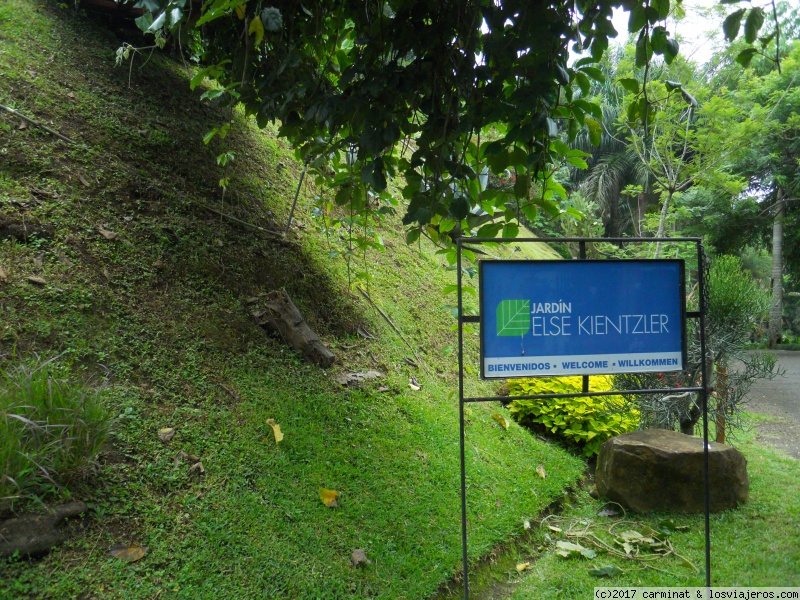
x=51 y=426
x=736 y=305
x=586 y=422
x=395 y=87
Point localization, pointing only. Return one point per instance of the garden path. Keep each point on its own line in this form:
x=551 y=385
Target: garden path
x=779 y=397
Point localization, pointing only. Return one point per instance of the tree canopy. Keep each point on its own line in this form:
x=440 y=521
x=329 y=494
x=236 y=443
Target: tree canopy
x=439 y=92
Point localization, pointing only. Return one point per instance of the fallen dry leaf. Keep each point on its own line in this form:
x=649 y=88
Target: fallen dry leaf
x=187 y=457
x=414 y=384
x=197 y=468
x=276 y=429
x=109 y=235
x=165 y=434
x=359 y=557
x=82 y=179
x=130 y=553
x=501 y=419
x=523 y=567
x=3 y=276
x=62 y=258
x=364 y=333
x=526 y=524
x=37 y=280
x=106 y=274
x=330 y=498
x=356 y=377
x=541 y=472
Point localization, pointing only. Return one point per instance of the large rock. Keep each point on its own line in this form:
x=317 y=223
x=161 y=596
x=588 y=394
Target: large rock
x=663 y=471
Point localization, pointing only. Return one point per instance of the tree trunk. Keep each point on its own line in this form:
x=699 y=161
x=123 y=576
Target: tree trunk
x=776 y=306
x=663 y=221
x=722 y=401
x=641 y=205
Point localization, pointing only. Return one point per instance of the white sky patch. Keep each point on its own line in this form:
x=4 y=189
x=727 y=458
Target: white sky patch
x=699 y=35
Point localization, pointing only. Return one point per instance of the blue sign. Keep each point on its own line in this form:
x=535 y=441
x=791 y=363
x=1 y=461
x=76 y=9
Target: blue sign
x=581 y=317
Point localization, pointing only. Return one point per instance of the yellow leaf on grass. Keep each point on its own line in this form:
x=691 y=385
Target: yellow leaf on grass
x=501 y=419
x=523 y=567
x=330 y=498
x=276 y=429
x=257 y=28
x=541 y=472
x=130 y=553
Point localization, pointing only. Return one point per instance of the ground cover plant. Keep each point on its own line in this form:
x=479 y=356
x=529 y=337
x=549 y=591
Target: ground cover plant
x=121 y=253
x=52 y=426
x=583 y=422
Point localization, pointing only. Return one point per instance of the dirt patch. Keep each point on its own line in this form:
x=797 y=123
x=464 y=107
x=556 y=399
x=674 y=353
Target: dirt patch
x=23 y=231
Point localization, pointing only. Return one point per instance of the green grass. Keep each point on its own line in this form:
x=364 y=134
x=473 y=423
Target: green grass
x=162 y=310
x=755 y=545
x=51 y=426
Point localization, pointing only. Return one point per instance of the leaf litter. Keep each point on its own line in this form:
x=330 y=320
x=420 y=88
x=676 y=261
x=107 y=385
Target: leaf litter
x=130 y=553
x=330 y=498
x=276 y=430
x=624 y=539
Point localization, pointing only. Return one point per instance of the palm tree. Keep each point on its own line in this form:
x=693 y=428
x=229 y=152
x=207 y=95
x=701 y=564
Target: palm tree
x=613 y=166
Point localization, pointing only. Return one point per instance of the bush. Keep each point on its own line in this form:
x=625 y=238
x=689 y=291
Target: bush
x=585 y=422
x=51 y=426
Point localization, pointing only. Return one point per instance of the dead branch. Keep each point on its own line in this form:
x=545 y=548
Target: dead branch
x=37 y=124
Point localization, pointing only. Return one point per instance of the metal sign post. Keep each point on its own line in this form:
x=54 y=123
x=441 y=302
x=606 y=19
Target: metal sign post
x=584 y=317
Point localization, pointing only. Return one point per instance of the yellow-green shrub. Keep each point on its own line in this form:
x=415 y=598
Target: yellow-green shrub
x=586 y=422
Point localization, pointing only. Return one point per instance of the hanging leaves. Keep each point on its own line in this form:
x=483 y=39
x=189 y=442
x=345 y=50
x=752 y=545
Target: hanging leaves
x=732 y=23
x=256 y=29
x=272 y=19
x=276 y=430
x=330 y=498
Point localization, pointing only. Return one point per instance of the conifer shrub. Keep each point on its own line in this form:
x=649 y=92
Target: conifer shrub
x=581 y=422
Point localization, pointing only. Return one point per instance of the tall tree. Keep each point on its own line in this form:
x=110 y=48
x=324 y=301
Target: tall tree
x=347 y=77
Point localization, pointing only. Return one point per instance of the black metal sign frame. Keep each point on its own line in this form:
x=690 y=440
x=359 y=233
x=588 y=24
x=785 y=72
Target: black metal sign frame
x=702 y=389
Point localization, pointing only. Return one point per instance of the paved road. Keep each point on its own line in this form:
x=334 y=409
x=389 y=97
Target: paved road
x=780 y=397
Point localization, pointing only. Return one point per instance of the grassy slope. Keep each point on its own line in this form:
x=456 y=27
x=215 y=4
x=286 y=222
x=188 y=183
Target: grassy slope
x=162 y=307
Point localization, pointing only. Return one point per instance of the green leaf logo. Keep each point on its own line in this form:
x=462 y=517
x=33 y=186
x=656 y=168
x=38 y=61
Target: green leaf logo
x=513 y=317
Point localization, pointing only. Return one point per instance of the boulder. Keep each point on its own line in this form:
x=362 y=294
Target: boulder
x=663 y=471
